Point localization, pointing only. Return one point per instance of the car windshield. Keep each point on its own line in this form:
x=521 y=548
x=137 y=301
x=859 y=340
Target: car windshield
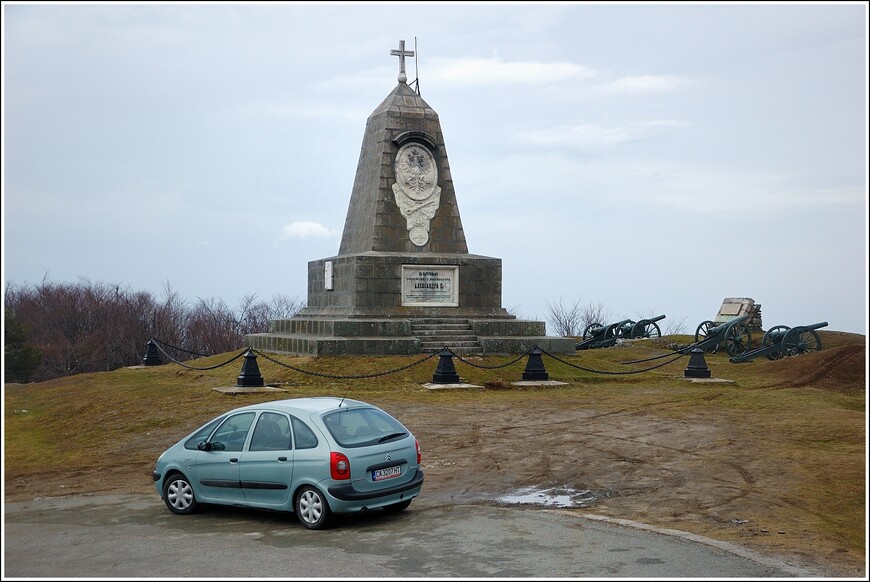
x=358 y=427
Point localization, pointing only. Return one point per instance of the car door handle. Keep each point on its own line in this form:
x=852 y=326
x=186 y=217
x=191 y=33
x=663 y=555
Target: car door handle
x=234 y=460
x=282 y=458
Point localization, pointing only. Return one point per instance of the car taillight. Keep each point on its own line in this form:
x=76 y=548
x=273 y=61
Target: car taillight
x=419 y=456
x=339 y=466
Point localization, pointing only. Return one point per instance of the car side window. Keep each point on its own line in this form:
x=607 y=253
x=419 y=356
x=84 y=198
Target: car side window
x=305 y=437
x=272 y=433
x=232 y=433
x=202 y=434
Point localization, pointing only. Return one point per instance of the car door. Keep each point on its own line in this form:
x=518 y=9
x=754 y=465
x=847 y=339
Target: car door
x=266 y=467
x=217 y=467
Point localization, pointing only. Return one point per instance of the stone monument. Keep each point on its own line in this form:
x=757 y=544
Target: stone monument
x=403 y=281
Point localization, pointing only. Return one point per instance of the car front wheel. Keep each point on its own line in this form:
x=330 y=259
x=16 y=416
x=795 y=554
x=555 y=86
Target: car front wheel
x=178 y=495
x=312 y=509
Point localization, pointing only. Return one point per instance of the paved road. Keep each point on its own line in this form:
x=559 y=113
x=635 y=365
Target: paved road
x=136 y=536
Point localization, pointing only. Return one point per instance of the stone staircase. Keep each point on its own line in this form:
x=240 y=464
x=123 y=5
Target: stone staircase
x=456 y=334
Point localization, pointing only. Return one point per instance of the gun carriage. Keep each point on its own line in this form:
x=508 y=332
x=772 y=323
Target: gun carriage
x=600 y=336
x=645 y=328
x=781 y=341
x=733 y=335
x=604 y=336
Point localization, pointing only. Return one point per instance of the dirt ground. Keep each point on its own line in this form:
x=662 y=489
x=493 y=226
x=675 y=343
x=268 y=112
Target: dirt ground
x=703 y=474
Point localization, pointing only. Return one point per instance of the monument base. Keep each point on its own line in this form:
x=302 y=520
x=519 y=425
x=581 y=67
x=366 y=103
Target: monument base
x=388 y=303
x=322 y=336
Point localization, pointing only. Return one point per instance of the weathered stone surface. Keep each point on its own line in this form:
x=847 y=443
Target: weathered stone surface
x=374 y=222
x=356 y=300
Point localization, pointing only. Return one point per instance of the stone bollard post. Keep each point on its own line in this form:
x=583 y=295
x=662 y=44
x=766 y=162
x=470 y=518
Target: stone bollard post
x=697 y=367
x=535 y=366
x=445 y=373
x=152 y=356
x=250 y=374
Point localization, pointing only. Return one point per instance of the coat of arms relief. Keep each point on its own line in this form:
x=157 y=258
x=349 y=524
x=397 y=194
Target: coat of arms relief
x=416 y=190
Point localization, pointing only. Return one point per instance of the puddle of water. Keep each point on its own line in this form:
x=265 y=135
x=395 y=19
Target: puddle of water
x=553 y=497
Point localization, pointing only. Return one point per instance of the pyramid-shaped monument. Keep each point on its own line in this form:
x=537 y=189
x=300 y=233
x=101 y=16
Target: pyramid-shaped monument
x=403 y=281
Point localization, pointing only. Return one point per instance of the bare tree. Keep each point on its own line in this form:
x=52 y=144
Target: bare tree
x=566 y=319
x=255 y=316
x=91 y=327
x=675 y=326
x=594 y=313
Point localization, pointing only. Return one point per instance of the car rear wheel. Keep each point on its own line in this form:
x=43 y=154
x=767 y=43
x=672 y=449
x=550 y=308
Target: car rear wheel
x=178 y=495
x=397 y=507
x=311 y=508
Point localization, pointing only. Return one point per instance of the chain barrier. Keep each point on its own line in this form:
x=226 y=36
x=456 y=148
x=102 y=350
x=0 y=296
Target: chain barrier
x=176 y=348
x=196 y=368
x=679 y=354
x=358 y=377
x=681 y=351
x=608 y=372
x=464 y=361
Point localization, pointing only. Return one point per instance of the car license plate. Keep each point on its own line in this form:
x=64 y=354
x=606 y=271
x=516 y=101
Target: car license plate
x=388 y=473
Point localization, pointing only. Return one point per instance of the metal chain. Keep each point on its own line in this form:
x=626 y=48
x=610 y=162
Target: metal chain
x=201 y=369
x=463 y=360
x=181 y=349
x=359 y=377
x=681 y=351
x=607 y=372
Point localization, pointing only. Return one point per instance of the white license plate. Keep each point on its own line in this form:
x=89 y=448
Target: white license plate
x=388 y=473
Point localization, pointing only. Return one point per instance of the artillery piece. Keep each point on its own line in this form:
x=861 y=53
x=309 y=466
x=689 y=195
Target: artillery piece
x=644 y=328
x=782 y=340
x=600 y=336
x=734 y=335
x=604 y=336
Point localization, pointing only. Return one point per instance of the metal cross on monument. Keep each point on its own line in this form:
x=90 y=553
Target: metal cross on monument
x=402 y=53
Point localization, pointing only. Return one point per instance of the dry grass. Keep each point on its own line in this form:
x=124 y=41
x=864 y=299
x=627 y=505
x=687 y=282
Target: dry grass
x=102 y=432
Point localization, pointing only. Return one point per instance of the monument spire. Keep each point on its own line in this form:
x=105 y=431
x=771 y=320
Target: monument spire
x=403 y=261
x=402 y=53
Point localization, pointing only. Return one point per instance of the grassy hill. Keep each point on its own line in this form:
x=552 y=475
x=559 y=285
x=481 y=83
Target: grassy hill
x=102 y=433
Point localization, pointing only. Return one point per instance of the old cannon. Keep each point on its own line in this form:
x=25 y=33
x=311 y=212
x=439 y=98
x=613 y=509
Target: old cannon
x=644 y=328
x=734 y=335
x=782 y=340
x=600 y=336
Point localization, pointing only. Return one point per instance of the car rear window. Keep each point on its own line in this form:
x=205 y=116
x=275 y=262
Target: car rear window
x=358 y=427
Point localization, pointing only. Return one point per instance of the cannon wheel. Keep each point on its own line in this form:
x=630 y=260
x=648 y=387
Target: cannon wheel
x=625 y=330
x=703 y=332
x=767 y=340
x=800 y=340
x=738 y=340
x=648 y=330
x=591 y=330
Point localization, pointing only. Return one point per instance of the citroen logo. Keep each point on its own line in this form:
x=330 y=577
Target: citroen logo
x=387 y=457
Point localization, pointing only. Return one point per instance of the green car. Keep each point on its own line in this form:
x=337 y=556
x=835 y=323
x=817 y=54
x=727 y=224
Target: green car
x=312 y=456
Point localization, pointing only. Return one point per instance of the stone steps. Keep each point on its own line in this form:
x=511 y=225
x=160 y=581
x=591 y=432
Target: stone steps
x=436 y=334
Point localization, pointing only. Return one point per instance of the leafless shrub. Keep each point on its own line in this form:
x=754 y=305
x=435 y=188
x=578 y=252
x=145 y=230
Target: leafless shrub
x=594 y=313
x=565 y=319
x=676 y=327
x=92 y=327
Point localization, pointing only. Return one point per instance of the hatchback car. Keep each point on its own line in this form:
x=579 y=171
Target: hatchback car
x=312 y=456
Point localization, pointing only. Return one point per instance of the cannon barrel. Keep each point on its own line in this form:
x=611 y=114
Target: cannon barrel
x=726 y=324
x=653 y=319
x=819 y=325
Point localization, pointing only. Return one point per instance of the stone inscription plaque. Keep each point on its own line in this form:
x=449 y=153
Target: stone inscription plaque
x=430 y=286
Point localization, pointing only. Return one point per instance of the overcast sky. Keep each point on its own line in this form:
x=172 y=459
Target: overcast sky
x=652 y=159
